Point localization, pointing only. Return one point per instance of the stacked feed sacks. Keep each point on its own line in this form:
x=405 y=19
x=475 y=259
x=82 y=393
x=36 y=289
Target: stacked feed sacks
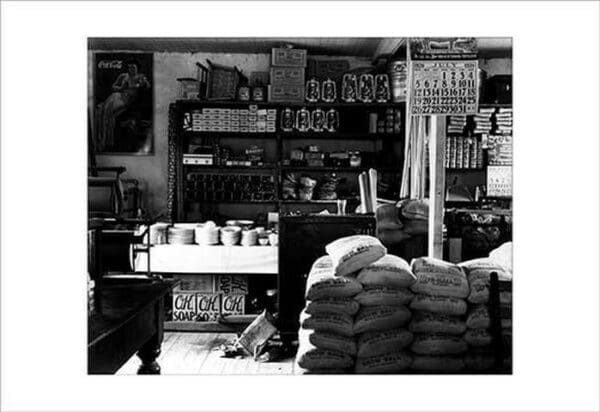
x=380 y=324
x=439 y=308
x=480 y=356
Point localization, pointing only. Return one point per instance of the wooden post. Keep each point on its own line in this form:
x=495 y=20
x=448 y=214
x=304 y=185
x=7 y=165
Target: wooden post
x=437 y=186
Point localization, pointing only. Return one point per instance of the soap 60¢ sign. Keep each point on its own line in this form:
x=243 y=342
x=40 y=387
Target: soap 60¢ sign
x=205 y=307
x=444 y=87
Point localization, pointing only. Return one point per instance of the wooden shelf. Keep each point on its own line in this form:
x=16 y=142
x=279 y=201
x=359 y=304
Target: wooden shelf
x=231 y=135
x=464 y=169
x=340 y=169
x=338 y=135
x=221 y=167
x=316 y=201
x=235 y=103
x=502 y=105
x=231 y=201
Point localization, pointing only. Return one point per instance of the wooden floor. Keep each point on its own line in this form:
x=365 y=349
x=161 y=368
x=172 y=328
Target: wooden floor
x=193 y=353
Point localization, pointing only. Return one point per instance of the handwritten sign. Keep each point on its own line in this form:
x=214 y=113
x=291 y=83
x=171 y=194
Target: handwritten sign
x=499 y=181
x=196 y=307
x=232 y=284
x=233 y=304
x=444 y=87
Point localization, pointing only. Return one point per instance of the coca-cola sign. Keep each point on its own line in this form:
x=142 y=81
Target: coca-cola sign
x=110 y=64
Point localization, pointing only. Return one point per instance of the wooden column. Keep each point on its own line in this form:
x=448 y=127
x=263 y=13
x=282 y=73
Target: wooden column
x=437 y=186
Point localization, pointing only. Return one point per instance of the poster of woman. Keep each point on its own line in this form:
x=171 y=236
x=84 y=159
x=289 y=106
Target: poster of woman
x=123 y=103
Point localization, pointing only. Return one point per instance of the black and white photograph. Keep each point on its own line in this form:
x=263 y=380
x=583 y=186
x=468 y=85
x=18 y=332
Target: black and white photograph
x=328 y=206
x=341 y=205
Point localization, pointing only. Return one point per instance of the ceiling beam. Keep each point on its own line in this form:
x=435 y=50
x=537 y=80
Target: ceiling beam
x=387 y=47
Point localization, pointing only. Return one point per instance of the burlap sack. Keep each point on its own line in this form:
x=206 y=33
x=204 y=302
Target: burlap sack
x=388 y=363
x=338 y=323
x=352 y=253
x=323 y=283
x=478 y=274
x=378 y=296
x=438 y=344
x=477 y=337
x=478 y=317
x=437 y=363
x=298 y=370
x=390 y=271
x=427 y=322
x=439 y=304
x=382 y=342
x=328 y=340
x=438 y=278
x=416 y=227
x=415 y=208
x=478 y=362
x=348 y=306
x=312 y=358
x=373 y=318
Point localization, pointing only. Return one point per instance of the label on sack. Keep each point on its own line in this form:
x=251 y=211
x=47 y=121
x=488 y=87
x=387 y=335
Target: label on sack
x=315 y=358
x=332 y=305
x=477 y=337
x=377 y=296
x=331 y=341
x=441 y=285
x=478 y=318
x=333 y=322
x=371 y=318
x=439 y=304
x=388 y=363
x=390 y=271
x=424 y=322
x=438 y=344
x=435 y=267
x=380 y=342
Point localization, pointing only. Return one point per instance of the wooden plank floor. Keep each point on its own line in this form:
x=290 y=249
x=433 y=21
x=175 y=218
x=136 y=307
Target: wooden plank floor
x=192 y=353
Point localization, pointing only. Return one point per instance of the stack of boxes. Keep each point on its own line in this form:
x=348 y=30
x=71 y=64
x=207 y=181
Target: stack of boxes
x=287 y=75
x=250 y=120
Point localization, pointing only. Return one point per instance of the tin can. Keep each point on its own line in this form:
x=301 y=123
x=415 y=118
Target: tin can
x=244 y=93
x=287 y=120
x=318 y=120
x=328 y=94
x=382 y=88
x=258 y=94
x=332 y=120
x=312 y=91
x=366 y=88
x=303 y=120
x=349 y=88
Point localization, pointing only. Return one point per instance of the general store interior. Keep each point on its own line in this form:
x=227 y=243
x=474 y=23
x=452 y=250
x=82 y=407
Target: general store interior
x=262 y=152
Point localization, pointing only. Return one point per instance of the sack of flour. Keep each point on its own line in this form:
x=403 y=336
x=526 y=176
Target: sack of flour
x=427 y=322
x=327 y=340
x=478 y=274
x=382 y=342
x=389 y=363
x=437 y=363
x=352 y=253
x=478 y=361
x=478 y=337
x=415 y=209
x=390 y=271
x=323 y=283
x=485 y=266
x=372 y=318
x=438 y=278
x=339 y=323
x=378 y=296
x=438 y=344
x=298 y=370
x=348 y=306
x=312 y=358
x=478 y=318
x=439 y=304
x=416 y=227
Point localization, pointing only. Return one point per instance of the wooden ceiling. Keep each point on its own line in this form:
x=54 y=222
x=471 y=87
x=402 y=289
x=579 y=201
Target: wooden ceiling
x=340 y=46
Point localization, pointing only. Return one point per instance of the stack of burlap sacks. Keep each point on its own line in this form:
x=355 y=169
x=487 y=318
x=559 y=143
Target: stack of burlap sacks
x=439 y=308
x=356 y=311
x=480 y=356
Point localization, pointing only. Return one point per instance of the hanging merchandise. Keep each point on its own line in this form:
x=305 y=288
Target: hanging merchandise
x=382 y=88
x=366 y=88
x=398 y=77
x=349 y=88
x=333 y=121
x=303 y=120
x=287 y=120
x=312 y=91
x=328 y=93
x=318 y=120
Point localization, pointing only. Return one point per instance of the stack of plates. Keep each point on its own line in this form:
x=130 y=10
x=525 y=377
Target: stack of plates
x=158 y=233
x=249 y=237
x=181 y=235
x=207 y=234
x=230 y=235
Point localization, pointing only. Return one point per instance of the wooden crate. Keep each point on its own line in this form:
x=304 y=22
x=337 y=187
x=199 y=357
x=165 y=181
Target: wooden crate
x=283 y=76
x=283 y=57
x=285 y=94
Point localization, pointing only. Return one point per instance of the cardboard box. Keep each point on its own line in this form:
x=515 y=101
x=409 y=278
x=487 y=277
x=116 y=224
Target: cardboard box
x=287 y=75
x=292 y=94
x=284 y=57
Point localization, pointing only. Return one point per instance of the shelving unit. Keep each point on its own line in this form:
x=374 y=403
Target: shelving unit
x=354 y=119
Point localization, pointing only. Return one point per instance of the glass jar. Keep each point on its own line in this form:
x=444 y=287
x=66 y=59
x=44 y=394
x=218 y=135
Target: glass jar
x=349 y=88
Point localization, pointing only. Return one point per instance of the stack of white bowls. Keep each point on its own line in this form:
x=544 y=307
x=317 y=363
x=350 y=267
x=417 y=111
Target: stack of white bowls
x=181 y=234
x=249 y=237
x=230 y=235
x=207 y=234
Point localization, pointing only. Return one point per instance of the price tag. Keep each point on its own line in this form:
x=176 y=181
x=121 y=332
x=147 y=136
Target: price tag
x=444 y=87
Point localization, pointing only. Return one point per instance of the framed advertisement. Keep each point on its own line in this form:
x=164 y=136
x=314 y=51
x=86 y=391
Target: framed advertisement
x=123 y=103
